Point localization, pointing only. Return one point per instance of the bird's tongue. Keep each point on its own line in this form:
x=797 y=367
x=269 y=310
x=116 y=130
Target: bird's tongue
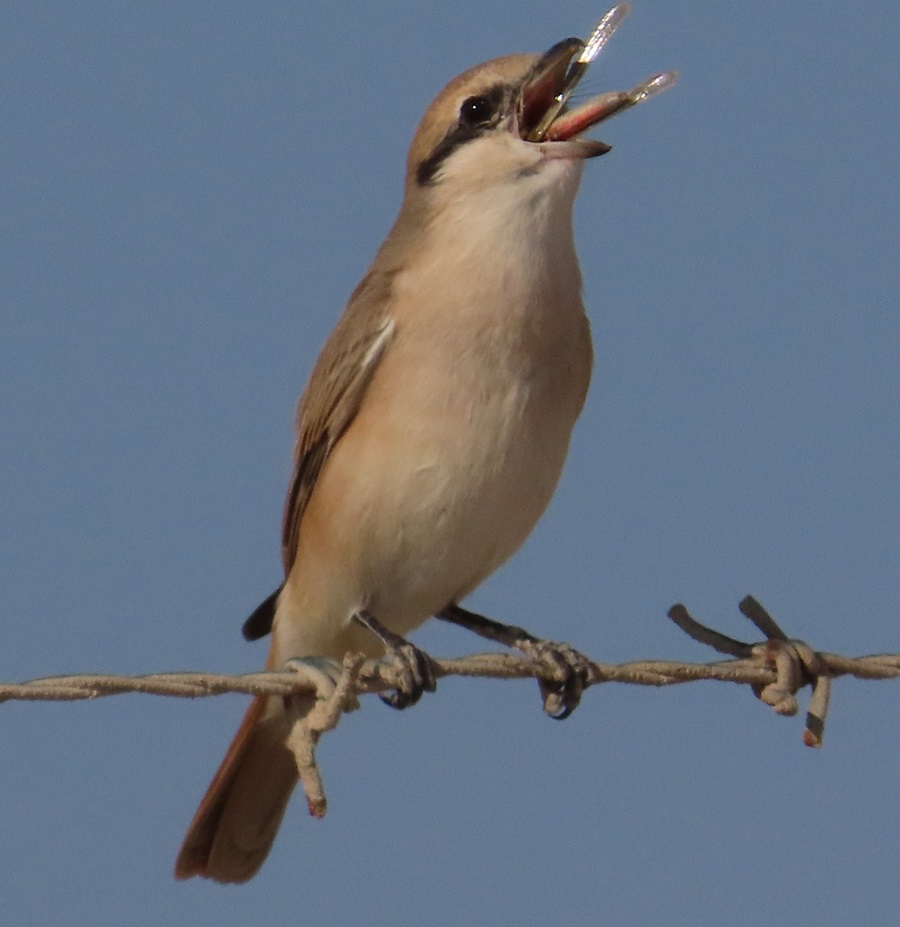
x=569 y=124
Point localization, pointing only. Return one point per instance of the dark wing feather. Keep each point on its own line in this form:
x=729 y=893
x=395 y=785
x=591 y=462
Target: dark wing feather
x=259 y=624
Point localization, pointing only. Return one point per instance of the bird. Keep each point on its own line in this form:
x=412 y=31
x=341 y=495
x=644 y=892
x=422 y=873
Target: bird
x=434 y=426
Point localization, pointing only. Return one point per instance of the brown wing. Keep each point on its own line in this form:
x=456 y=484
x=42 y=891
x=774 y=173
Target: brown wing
x=334 y=394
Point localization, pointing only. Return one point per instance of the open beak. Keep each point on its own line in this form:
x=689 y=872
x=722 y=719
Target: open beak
x=544 y=115
x=544 y=85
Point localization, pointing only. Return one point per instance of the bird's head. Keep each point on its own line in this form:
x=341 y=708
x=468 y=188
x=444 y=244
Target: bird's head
x=500 y=151
x=481 y=121
x=507 y=120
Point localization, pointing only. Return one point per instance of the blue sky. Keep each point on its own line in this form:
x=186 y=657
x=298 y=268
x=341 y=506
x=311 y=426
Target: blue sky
x=190 y=193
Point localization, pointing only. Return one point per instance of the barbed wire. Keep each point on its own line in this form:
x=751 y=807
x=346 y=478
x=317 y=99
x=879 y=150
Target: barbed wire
x=753 y=664
x=775 y=669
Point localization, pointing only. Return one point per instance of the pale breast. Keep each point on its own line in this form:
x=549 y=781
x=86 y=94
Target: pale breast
x=455 y=454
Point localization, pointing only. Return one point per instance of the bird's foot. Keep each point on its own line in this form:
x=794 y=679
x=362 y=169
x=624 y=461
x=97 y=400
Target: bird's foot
x=570 y=670
x=414 y=668
x=571 y=675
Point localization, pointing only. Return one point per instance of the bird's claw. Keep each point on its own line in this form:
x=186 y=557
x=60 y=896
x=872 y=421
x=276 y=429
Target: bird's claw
x=415 y=675
x=570 y=671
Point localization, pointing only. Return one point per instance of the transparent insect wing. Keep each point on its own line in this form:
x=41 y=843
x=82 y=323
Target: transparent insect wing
x=593 y=46
x=652 y=86
x=603 y=31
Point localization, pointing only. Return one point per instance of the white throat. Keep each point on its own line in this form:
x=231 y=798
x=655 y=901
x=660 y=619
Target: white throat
x=518 y=234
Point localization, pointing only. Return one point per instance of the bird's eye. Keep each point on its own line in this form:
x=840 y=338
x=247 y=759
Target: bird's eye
x=476 y=111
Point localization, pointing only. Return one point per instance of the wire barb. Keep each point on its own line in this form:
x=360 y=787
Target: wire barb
x=325 y=715
x=795 y=664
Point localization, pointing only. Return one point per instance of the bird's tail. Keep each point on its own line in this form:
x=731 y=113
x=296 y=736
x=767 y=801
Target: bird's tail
x=234 y=827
